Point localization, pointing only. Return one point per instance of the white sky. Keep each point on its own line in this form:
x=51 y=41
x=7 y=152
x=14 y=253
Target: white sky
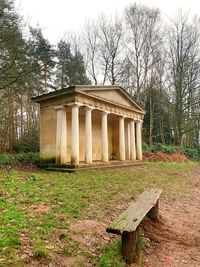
x=59 y=16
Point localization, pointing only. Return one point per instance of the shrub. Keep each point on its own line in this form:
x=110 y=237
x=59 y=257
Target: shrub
x=145 y=146
x=26 y=145
x=156 y=147
x=192 y=153
x=30 y=157
x=168 y=149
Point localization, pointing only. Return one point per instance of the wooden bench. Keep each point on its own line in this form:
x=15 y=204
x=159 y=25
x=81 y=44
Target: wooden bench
x=127 y=224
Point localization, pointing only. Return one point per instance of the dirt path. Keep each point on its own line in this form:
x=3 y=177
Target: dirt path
x=175 y=241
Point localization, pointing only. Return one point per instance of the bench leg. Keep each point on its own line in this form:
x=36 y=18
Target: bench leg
x=130 y=250
x=154 y=212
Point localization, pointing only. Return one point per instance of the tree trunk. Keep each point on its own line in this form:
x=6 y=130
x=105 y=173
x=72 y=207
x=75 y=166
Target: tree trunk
x=16 y=124
x=21 y=119
x=11 y=120
x=151 y=121
x=29 y=116
x=45 y=77
x=162 y=135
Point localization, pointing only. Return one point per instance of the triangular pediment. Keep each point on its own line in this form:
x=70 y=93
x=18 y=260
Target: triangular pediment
x=113 y=94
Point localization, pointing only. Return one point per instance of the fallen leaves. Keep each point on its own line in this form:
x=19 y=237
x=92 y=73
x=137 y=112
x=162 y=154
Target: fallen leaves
x=160 y=156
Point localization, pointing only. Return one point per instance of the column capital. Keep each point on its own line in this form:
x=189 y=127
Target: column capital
x=105 y=112
x=74 y=105
x=60 y=107
x=138 y=120
x=89 y=108
x=122 y=116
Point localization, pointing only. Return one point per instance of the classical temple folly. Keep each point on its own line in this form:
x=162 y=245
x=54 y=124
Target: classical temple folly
x=89 y=124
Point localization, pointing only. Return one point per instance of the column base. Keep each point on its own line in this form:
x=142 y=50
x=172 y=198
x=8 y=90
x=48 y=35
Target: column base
x=74 y=162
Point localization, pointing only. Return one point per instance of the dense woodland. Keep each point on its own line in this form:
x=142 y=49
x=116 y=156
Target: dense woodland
x=156 y=61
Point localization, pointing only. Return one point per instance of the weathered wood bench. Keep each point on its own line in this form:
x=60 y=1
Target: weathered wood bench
x=127 y=224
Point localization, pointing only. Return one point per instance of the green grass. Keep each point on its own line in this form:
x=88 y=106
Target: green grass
x=91 y=194
x=111 y=256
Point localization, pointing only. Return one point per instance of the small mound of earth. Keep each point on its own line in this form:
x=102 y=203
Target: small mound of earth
x=89 y=227
x=39 y=209
x=160 y=156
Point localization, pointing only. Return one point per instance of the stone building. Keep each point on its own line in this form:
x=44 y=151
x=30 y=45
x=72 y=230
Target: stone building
x=88 y=124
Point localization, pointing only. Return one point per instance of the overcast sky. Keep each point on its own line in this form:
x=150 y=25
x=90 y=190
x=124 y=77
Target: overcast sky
x=59 y=16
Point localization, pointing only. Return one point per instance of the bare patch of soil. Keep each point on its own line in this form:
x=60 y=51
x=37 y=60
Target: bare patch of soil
x=160 y=156
x=71 y=261
x=89 y=226
x=61 y=261
x=175 y=240
x=91 y=235
x=39 y=209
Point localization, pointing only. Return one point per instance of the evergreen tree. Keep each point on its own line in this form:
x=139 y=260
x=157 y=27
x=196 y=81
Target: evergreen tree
x=63 y=66
x=78 y=73
x=70 y=68
x=11 y=42
x=45 y=54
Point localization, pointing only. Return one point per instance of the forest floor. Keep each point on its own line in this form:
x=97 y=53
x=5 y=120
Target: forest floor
x=59 y=219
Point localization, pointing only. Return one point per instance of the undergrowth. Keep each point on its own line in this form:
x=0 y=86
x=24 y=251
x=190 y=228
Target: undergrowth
x=191 y=153
x=14 y=159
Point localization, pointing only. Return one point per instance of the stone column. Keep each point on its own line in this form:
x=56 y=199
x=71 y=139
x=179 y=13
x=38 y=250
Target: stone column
x=88 y=135
x=121 y=139
x=104 y=129
x=75 y=135
x=139 y=139
x=132 y=141
x=61 y=135
x=128 y=139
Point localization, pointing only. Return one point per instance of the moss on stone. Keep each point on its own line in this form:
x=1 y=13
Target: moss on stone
x=44 y=161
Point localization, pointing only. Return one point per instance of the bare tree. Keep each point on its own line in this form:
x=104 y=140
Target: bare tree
x=110 y=35
x=142 y=41
x=90 y=46
x=184 y=65
x=101 y=45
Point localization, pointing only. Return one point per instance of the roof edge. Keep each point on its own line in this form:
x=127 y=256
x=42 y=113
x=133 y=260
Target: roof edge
x=38 y=99
x=49 y=95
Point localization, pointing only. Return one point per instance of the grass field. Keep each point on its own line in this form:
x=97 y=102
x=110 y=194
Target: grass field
x=37 y=208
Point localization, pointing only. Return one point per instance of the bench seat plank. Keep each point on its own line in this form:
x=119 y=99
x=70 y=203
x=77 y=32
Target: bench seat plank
x=129 y=220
